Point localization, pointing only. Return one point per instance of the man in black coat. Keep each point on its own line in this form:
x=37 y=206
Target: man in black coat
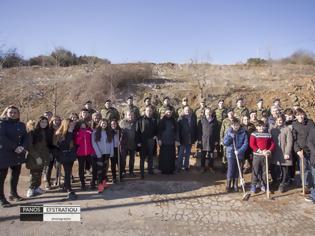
x=301 y=128
x=187 y=130
x=208 y=137
x=13 y=146
x=146 y=135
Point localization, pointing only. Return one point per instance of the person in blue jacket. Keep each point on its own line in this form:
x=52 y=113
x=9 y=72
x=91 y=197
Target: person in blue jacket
x=235 y=134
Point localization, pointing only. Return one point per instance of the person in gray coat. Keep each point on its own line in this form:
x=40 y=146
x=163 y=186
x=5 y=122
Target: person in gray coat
x=282 y=154
x=187 y=129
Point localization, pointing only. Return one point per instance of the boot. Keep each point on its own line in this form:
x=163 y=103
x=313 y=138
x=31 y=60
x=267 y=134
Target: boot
x=228 y=185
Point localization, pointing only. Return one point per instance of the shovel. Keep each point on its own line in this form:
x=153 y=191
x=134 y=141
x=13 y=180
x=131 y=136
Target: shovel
x=246 y=196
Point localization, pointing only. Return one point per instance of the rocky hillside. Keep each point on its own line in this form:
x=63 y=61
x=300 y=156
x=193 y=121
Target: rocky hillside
x=64 y=89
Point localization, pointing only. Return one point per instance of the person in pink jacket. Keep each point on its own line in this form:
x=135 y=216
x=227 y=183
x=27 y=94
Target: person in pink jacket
x=84 y=148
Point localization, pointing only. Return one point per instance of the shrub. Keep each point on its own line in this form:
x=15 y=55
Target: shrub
x=256 y=61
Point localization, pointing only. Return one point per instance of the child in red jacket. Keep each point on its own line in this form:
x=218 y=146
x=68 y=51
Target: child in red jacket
x=84 y=148
x=262 y=145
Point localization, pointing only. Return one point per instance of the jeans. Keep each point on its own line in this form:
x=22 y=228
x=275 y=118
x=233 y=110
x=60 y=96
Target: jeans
x=83 y=160
x=15 y=174
x=204 y=154
x=232 y=170
x=124 y=154
x=307 y=171
x=147 y=151
x=67 y=167
x=259 y=170
x=184 y=152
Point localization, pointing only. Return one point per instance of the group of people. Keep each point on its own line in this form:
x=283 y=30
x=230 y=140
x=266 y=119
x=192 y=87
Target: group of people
x=102 y=139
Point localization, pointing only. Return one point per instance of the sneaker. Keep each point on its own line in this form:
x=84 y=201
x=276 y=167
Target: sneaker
x=132 y=174
x=100 y=188
x=309 y=199
x=30 y=193
x=263 y=188
x=38 y=190
x=4 y=203
x=281 y=188
x=253 y=188
x=235 y=188
x=47 y=186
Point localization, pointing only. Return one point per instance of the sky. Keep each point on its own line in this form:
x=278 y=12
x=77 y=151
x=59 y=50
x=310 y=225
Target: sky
x=215 y=31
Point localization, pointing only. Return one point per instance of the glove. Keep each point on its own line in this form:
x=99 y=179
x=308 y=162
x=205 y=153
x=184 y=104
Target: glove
x=236 y=153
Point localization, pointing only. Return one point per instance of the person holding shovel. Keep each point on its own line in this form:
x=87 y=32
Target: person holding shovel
x=262 y=145
x=236 y=142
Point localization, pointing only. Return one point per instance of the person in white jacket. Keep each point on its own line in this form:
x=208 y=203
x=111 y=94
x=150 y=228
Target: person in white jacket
x=102 y=141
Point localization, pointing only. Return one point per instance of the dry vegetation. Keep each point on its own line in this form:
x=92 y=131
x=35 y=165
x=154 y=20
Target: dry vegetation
x=36 y=89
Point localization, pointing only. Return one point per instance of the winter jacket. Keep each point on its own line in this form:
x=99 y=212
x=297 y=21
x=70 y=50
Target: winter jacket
x=240 y=111
x=12 y=134
x=261 y=141
x=200 y=112
x=168 y=131
x=221 y=114
x=128 y=134
x=132 y=108
x=241 y=143
x=226 y=124
x=311 y=145
x=208 y=133
x=110 y=113
x=187 y=130
x=39 y=150
x=83 y=142
x=103 y=147
x=283 y=139
x=146 y=128
x=65 y=145
x=300 y=133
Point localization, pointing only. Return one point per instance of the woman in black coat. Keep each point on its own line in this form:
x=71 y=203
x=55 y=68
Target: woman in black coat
x=208 y=136
x=63 y=140
x=13 y=146
x=167 y=138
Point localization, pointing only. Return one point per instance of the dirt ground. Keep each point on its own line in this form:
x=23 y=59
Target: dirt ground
x=188 y=203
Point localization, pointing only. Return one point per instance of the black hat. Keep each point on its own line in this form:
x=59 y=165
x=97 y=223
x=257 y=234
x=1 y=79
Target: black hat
x=221 y=100
x=252 y=111
x=146 y=98
x=166 y=98
x=87 y=102
x=130 y=97
x=108 y=100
